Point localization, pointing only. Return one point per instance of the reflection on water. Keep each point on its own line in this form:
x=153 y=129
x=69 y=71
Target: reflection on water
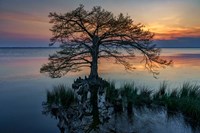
x=80 y=112
x=26 y=63
x=143 y=121
x=22 y=87
x=185 y=67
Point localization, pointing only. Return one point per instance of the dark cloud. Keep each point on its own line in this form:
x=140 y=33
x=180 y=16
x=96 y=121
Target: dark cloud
x=179 y=42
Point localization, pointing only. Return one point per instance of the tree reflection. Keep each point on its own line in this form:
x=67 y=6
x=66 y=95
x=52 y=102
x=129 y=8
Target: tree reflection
x=103 y=108
x=85 y=108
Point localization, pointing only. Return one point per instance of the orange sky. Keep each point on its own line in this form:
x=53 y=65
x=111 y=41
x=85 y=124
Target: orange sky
x=169 y=19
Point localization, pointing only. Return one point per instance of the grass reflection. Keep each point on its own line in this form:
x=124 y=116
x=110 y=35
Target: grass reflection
x=113 y=104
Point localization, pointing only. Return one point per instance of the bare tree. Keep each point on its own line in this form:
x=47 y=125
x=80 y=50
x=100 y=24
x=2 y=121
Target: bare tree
x=87 y=36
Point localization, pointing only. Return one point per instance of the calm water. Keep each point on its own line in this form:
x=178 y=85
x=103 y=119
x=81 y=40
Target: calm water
x=23 y=88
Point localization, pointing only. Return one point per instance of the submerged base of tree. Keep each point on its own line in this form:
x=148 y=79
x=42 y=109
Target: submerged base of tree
x=104 y=108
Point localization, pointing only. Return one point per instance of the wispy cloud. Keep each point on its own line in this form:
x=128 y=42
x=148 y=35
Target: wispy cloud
x=21 y=36
x=174 y=33
x=169 y=20
x=21 y=16
x=171 y=27
x=23 y=25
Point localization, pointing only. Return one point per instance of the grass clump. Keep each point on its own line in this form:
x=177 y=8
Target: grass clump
x=144 y=97
x=111 y=92
x=129 y=96
x=185 y=100
x=61 y=95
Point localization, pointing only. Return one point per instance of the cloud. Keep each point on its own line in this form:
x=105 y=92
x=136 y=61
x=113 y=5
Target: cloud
x=179 y=42
x=167 y=32
x=19 y=25
x=172 y=26
x=178 y=33
x=21 y=16
x=17 y=36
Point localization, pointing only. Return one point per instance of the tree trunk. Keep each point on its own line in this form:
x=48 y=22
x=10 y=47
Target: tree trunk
x=94 y=102
x=94 y=68
x=94 y=64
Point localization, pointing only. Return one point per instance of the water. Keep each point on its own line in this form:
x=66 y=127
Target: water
x=23 y=88
x=185 y=68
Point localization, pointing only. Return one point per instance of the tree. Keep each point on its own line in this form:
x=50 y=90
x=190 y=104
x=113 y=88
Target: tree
x=87 y=36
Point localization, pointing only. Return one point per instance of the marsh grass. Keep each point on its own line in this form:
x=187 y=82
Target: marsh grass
x=61 y=95
x=111 y=92
x=144 y=97
x=185 y=100
x=129 y=96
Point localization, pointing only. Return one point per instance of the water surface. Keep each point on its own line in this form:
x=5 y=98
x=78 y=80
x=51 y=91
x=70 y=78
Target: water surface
x=23 y=88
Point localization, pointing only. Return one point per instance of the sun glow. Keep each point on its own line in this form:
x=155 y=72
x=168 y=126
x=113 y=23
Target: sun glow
x=169 y=20
x=164 y=32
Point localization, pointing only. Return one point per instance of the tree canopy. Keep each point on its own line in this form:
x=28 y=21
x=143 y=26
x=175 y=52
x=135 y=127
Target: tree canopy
x=86 y=36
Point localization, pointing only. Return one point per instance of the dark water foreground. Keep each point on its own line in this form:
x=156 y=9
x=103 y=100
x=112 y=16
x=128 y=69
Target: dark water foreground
x=93 y=109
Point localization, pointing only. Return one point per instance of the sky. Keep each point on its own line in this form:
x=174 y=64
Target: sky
x=176 y=23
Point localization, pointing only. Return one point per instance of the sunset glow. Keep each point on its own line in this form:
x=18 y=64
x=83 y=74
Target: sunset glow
x=100 y=66
x=169 y=20
x=163 y=32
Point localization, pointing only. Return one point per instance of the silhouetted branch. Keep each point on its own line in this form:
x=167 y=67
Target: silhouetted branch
x=86 y=36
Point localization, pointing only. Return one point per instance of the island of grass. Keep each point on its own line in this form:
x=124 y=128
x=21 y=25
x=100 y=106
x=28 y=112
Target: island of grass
x=73 y=106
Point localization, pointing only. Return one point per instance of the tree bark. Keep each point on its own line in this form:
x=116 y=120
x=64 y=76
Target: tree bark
x=94 y=102
x=94 y=68
x=94 y=64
